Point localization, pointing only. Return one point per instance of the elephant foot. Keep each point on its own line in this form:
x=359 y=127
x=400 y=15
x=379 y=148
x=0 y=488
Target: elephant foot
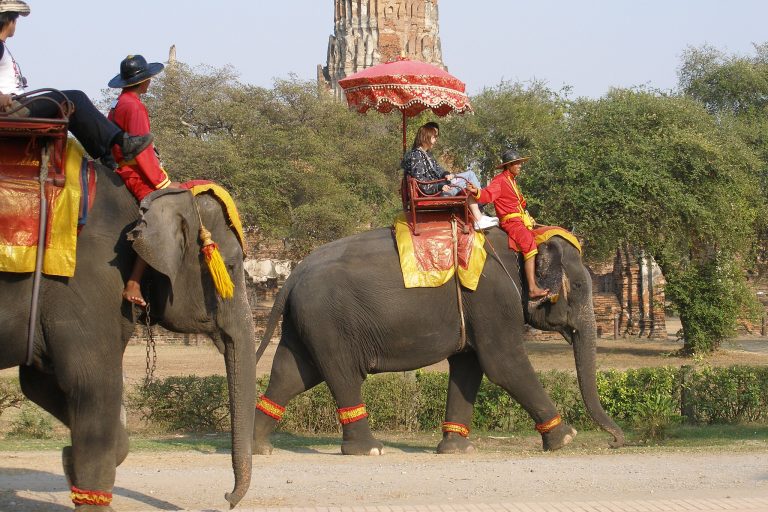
x=68 y=464
x=453 y=443
x=558 y=437
x=262 y=448
x=367 y=447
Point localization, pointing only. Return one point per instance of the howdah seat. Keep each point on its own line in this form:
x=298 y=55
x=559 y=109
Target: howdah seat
x=421 y=207
x=24 y=139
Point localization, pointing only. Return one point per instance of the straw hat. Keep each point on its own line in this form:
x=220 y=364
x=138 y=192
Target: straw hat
x=14 y=6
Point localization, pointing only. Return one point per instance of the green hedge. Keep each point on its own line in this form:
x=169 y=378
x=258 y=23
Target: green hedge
x=416 y=401
x=400 y=402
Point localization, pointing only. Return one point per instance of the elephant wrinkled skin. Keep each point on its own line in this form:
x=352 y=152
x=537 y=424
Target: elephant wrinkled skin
x=84 y=324
x=346 y=314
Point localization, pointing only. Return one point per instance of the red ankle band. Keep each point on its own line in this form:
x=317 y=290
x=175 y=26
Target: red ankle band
x=270 y=408
x=543 y=428
x=456 y=428
x=349 y=415
x=97 y=498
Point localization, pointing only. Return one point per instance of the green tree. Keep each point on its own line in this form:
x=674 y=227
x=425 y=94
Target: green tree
x=658 y=172
x=734 y=88
x=301 y=166
x=508 y=115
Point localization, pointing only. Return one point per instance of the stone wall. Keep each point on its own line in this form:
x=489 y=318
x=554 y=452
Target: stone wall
x=628 y=296
x=369 y=32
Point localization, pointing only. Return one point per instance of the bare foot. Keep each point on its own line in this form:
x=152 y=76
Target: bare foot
x=537 y=293
x=132 y=293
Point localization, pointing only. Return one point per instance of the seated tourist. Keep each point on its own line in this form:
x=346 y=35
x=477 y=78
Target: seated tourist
x=422 y=166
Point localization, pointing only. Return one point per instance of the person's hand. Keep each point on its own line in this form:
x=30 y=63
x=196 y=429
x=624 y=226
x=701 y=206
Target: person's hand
x=472 y=189
x=5 y=101
x=449 y=177
x=446 y=188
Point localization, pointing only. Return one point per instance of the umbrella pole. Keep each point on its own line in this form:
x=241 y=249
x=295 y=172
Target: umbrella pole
x=405 y=133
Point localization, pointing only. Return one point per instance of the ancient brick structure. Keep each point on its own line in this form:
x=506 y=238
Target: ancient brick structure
x=368 y=32
x=629 y=296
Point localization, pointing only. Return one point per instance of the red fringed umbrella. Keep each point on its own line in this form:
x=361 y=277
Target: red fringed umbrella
x=410 y=86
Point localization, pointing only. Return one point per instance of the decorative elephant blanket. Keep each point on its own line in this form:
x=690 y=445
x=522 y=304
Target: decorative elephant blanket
x=543 y=233
x=427 y=260
x=20 y=211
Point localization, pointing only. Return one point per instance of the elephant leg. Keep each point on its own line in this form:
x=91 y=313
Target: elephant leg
x=508 y=366
x=99 y=440
x=357 y=438
x=43 y=389
x=293 y=372
x=465 y=376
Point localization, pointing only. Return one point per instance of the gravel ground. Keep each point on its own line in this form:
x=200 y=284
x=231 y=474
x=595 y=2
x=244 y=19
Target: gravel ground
x=323 y=478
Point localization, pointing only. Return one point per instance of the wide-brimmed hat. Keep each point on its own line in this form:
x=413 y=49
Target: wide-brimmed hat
x=134 y=70
x=511 y=156
x=14 y=6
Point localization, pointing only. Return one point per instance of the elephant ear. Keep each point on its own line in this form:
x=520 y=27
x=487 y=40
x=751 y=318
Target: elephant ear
x=167 y=227
x=549 y=268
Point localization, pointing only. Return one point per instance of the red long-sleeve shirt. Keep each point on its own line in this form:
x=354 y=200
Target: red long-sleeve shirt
x=505 y=195
x=144 y=174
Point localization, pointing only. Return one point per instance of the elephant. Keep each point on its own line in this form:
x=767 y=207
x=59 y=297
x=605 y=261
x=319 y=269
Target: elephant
x=346 y=314
x=84 y=325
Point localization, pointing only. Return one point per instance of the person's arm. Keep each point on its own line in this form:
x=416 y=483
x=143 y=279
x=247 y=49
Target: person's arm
x=485 y=195
x=136 y=122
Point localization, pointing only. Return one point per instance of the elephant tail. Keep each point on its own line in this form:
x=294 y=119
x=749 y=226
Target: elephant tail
x=274 y=317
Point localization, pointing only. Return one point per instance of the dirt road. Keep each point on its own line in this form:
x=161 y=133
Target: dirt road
x=404 y=476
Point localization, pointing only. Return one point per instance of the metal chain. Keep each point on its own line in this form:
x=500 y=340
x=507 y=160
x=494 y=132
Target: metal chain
x=151 y=358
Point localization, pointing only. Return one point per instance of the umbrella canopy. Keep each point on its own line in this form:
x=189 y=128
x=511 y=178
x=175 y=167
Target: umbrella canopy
x=410 y=86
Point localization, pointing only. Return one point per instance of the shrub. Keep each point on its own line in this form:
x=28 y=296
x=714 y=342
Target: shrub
x=393 y=401
x=32 y=423
x=622 y=392
x=496 y=410
x=736 y=394
x=10 y=394
x=188 y=404
x=434 y=395
x=313 y=411
x=654 y=415
x=649 y=400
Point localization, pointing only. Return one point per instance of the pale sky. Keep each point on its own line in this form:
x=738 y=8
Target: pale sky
x=590 y=45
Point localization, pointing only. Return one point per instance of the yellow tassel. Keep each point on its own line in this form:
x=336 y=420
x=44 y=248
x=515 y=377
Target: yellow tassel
x=216 y=265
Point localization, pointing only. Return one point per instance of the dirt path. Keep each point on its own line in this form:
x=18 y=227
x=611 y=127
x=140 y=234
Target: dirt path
x=410 y=473
x=403 y=476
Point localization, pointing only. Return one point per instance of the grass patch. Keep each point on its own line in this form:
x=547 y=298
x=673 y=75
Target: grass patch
x=730 y=438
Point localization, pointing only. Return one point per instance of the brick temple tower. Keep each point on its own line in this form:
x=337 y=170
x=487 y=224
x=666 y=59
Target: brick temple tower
x=368 y=32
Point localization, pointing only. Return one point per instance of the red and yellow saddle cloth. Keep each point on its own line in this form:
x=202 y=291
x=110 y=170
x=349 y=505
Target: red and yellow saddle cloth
x=543 y=233
x=427 y=259
x=20 y=213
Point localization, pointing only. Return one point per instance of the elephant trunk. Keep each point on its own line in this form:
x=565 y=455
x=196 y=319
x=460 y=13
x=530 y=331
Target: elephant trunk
x=240 y=362
x=585 y=354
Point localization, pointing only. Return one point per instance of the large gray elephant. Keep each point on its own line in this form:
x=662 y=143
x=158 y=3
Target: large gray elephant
x=346 y=314
x=84 y=326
